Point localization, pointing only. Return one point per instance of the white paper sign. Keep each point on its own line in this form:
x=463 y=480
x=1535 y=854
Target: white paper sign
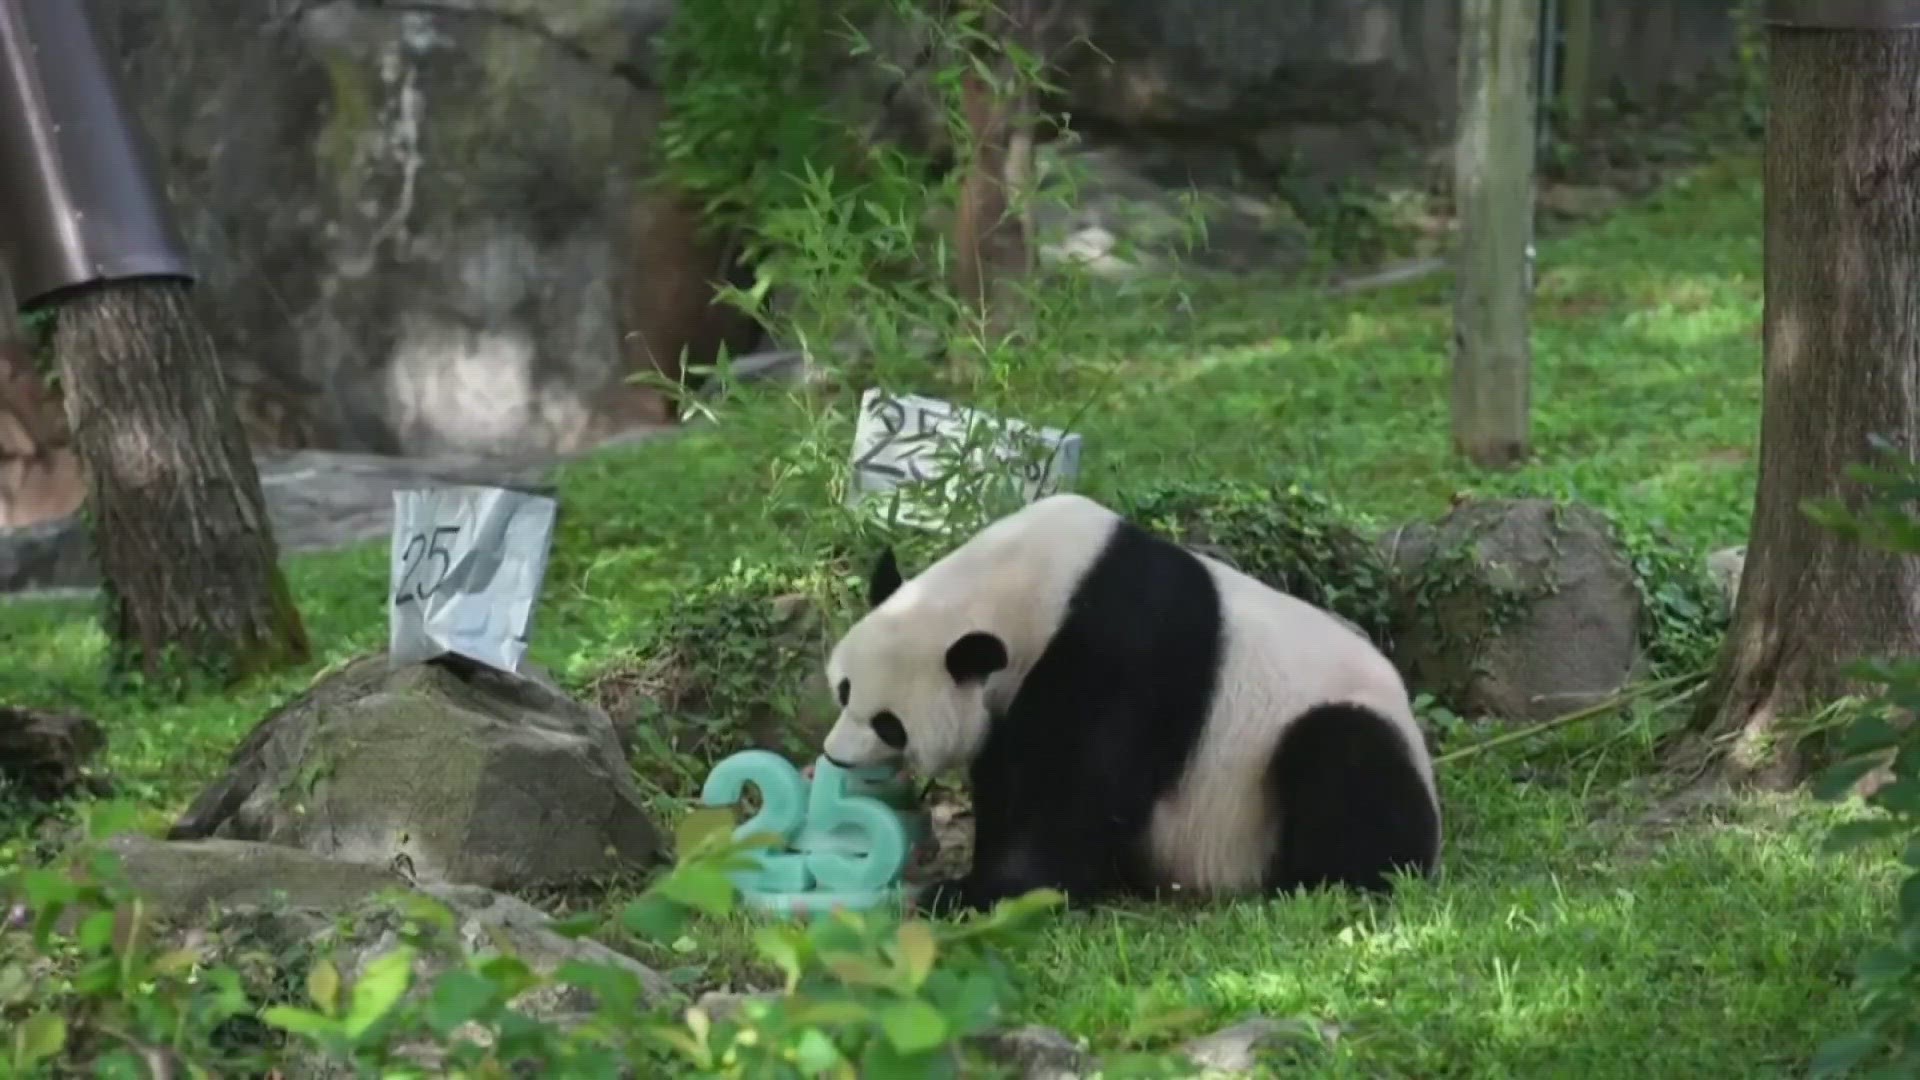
x=904 y=445
x=467 y=567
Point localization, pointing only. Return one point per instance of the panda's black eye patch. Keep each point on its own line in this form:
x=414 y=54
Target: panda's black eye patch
x=843 y=690
x=890 y=730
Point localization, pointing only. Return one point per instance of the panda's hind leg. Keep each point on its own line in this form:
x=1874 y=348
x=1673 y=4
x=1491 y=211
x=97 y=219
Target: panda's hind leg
x=1351 y=803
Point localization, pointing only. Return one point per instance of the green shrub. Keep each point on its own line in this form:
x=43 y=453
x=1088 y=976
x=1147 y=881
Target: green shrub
x=1683 y=618
x=96 y=987
x=1288 y=536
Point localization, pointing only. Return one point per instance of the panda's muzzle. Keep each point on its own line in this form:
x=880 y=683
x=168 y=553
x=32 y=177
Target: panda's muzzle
x=852 y=744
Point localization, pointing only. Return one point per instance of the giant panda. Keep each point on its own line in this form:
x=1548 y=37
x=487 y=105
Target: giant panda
x=1134 y=718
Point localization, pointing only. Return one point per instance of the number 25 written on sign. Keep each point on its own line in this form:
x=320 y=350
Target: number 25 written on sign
x=422 y=547
x=892 y=414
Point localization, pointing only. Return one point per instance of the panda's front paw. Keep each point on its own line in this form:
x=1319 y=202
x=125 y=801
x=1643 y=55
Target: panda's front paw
x=945 y=899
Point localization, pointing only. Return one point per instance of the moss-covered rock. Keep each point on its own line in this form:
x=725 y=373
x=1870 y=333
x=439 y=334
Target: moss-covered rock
x=444 y=770
x=1515 y=608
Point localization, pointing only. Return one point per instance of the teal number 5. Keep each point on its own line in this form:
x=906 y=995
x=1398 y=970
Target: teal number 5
x=871 y=858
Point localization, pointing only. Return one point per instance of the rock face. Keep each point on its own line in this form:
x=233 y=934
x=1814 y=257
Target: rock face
x=423 y=227
x=1333 y=85
x=420 y=227
x=446 y=771
x=1520 y=609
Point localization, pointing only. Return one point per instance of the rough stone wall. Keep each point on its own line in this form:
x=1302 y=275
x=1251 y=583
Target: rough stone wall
x=1338 y=82
x=421 y=227
x=410 y=224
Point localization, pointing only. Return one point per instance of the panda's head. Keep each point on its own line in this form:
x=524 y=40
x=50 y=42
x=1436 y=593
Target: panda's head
x=911 y=678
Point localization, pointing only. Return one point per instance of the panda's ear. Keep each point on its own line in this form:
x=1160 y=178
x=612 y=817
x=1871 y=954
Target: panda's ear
x=975 y=656
x=885 y=579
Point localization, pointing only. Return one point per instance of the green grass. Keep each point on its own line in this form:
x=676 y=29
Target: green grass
x=1566 y=936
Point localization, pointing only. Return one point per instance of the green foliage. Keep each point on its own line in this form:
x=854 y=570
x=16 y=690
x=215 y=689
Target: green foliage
x=1684 y=616
x=1287 y=535
x=99 y=979
x=98 y=985
x=36 y=329
x=735 y=664
x=864 y=994
x=745 y=110
x=821 y=210
x=1356 y=222
x=1873 y=734
x=847 y=230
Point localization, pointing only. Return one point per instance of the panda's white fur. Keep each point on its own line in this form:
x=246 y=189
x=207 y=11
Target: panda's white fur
x=1067 y=574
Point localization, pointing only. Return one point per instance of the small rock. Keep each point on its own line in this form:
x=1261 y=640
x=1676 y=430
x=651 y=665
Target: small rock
x=789 y=608
x=50 y=557
x=44 y=754
x=1035 y=1052
x=723 y=1004
x=1724 y=567
x=783 y=367
x=949 y=846
x=1515 y=608
x=1236 y=1050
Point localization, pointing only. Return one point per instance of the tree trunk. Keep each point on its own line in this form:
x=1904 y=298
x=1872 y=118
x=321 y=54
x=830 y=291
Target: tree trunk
x=672 y=316
x=186 y=553
x=1842 y=365
x=990 y=247
x=1493 y=196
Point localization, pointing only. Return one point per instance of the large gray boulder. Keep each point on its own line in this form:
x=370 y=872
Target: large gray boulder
x=1521 y=609
x=421 y=228
x=446 y=771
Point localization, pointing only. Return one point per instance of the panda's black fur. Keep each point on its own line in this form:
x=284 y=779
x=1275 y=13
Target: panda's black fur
x=1100 y=729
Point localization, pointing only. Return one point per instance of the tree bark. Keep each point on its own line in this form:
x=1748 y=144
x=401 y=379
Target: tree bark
x=187 y=556
x=672 y=315
x=1493 y=196
x=993 y=227
x=990 y=245
x=1842 y=334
